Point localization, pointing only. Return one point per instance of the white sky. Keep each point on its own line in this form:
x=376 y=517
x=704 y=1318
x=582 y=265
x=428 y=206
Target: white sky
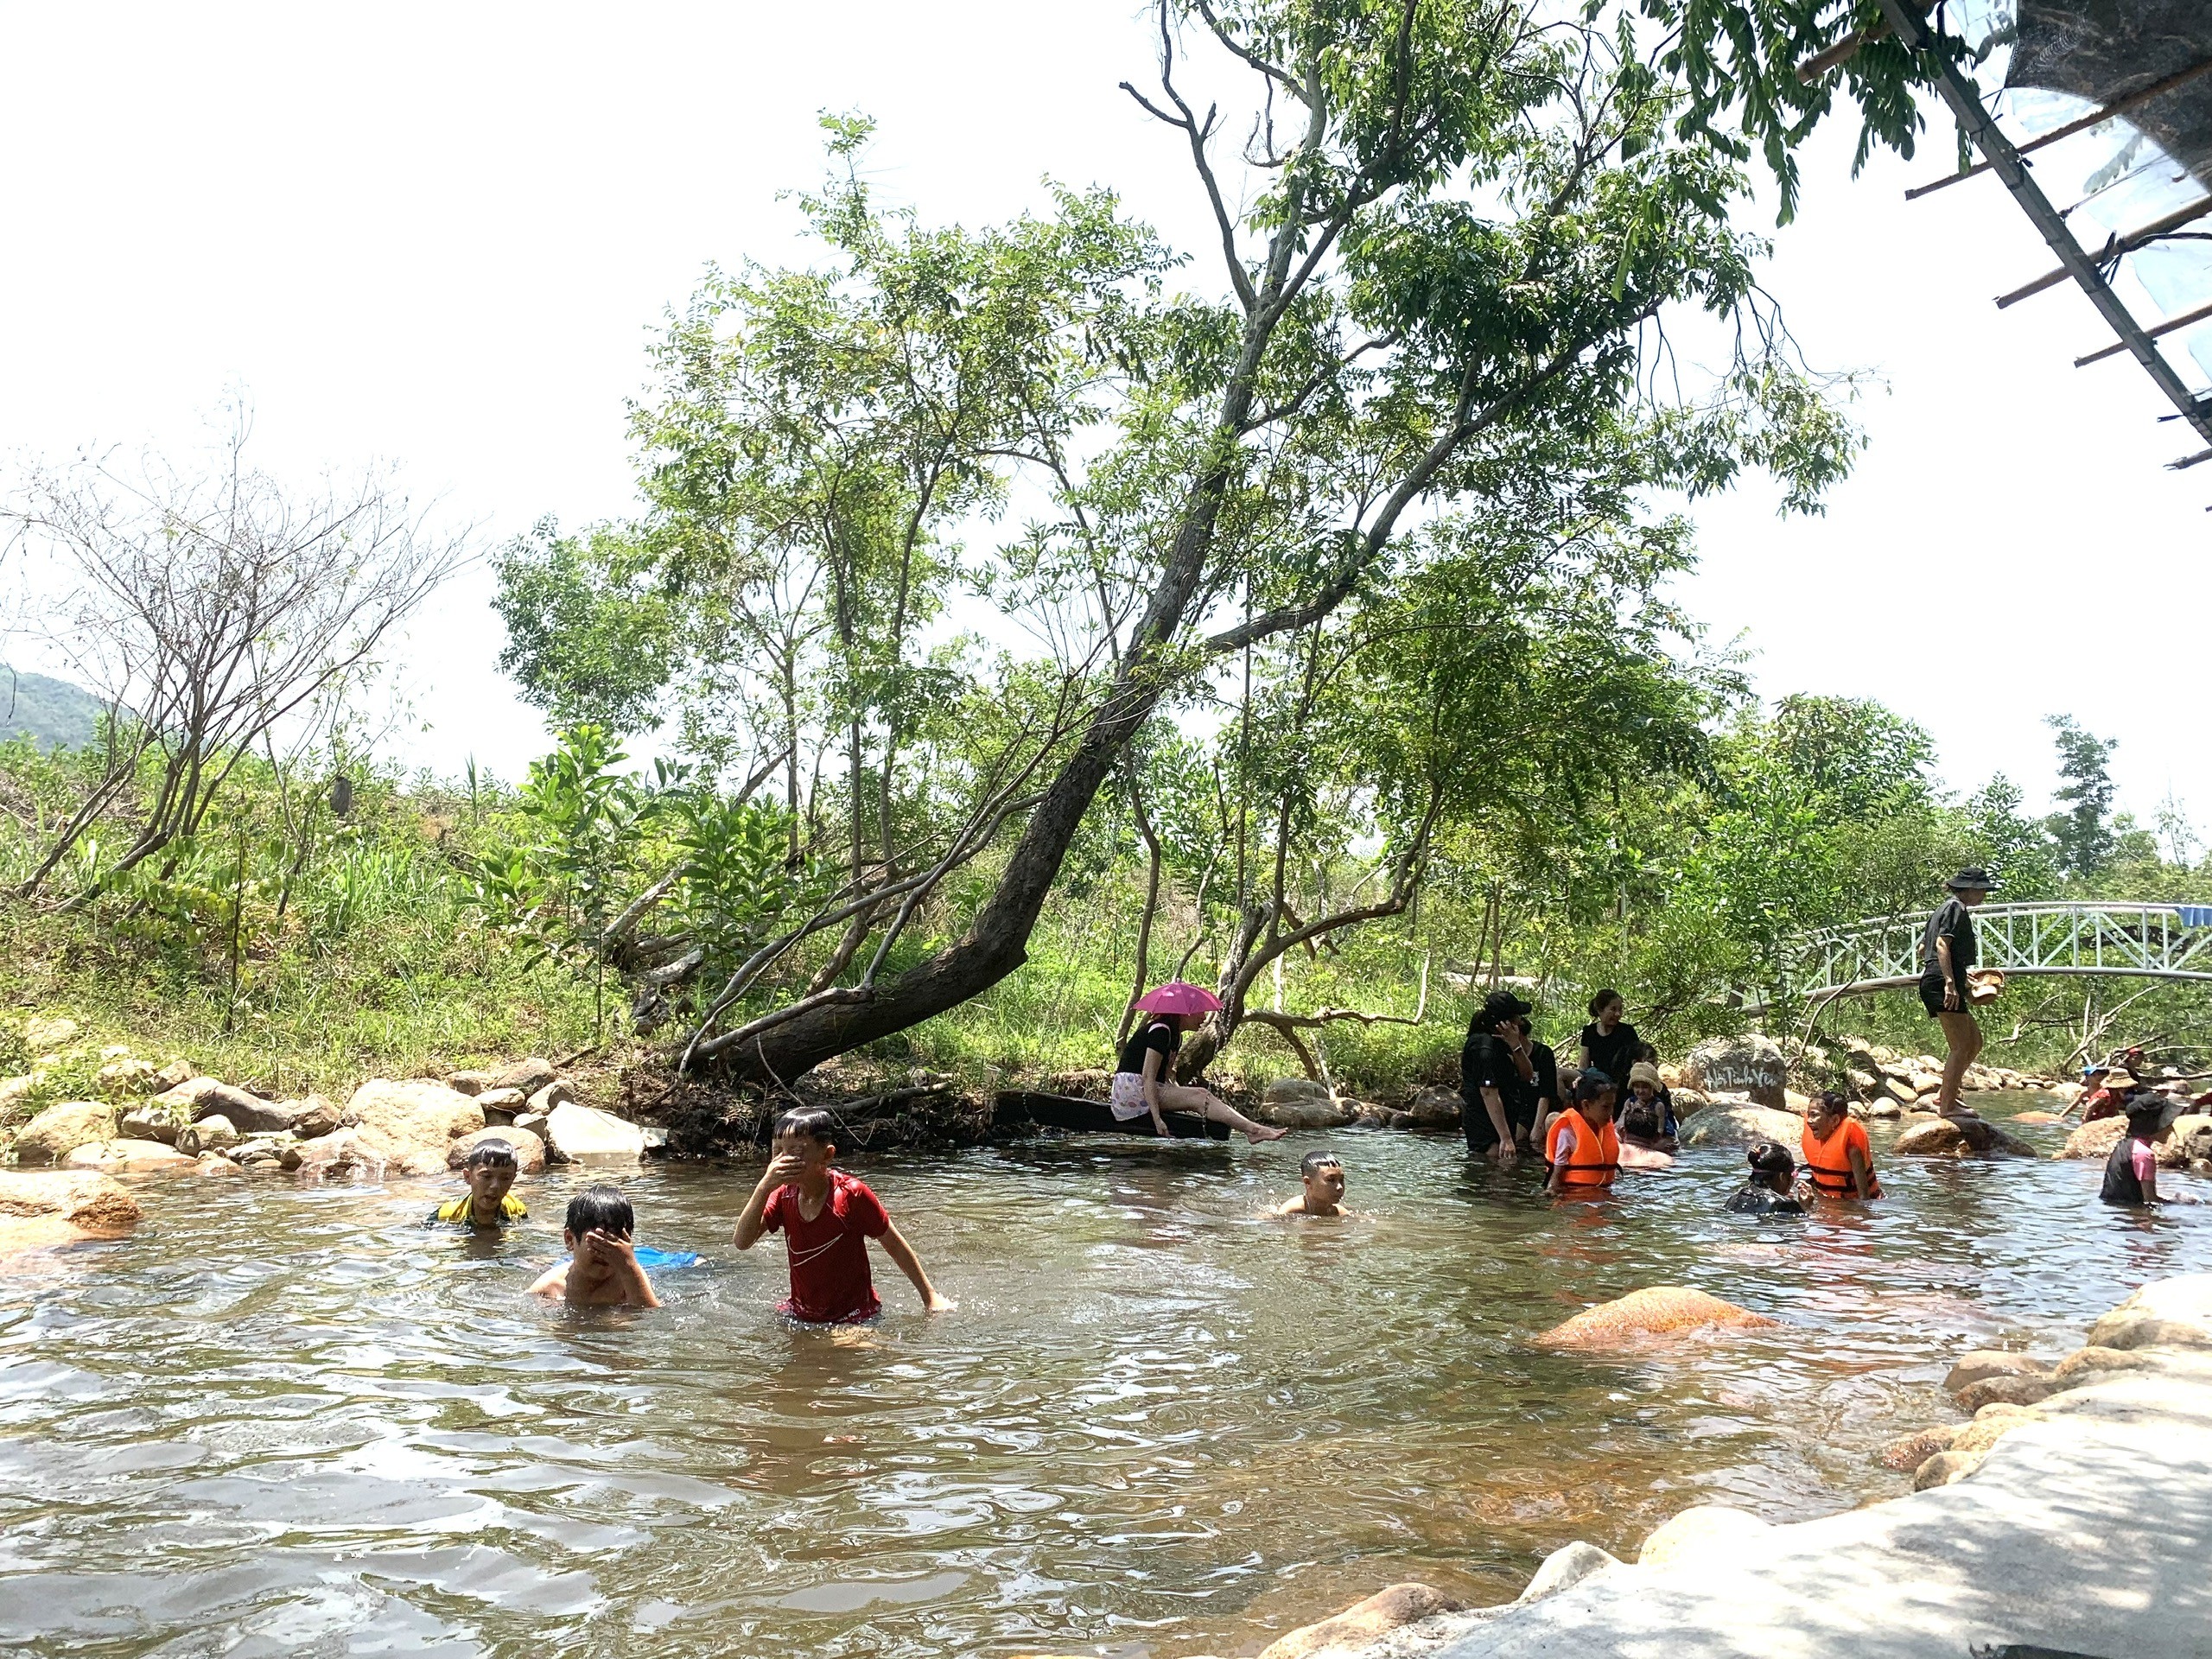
x=444 y=235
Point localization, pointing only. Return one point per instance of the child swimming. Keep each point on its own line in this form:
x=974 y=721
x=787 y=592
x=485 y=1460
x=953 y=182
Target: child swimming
x=602 y=1266
x=826 y=1217
x=1323 y=1175
x=490 y=1170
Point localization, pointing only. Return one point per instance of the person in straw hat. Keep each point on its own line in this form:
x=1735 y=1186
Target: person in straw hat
x=1946 y=953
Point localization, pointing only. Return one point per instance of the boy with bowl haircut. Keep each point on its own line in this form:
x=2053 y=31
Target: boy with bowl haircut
x=1323 y=1175
x=826 y=1217
x=490 y=1169
x=602 y=1266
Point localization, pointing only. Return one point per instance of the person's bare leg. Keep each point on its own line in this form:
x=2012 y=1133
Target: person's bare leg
x=1962 y=1036
x=1206 y=1104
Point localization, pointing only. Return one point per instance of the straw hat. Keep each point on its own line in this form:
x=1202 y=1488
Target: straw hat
x=1644 y=1071
x=2120 y=1078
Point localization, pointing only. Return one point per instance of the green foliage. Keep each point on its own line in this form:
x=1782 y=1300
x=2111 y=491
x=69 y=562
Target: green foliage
x=2080 y=837
x=588 y=640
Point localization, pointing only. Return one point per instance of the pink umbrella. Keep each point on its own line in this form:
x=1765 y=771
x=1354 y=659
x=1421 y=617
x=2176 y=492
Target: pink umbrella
x=1179 y=997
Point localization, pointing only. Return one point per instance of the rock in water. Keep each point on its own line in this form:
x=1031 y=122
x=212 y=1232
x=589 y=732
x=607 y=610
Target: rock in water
x=2020 y=1389
x=1724 y=1125
x=2096 y=1139
x=1710 y=1532
x=1944 y=1468
x=412 y=1125
x=2166 y=1314
x=1908 y=1452
x=342 y=1152
x=2086 y=1362
x=1643 y=1316
x=1945 y=1137
x=2188 y=1137
x=1566 y=1567
x=1750 y=1065
x=530 y=1151
x=1363 y=1622
x=1982 y=1364
x=1281 y=1089
x=55 y=1133
x=124 y=1157
x=1302 y=1113
x=61 y=1207
x=584 y=1135
x=1436 y=1109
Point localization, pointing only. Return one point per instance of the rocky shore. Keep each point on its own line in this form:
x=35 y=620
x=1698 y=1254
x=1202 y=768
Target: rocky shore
x=2070 y=1514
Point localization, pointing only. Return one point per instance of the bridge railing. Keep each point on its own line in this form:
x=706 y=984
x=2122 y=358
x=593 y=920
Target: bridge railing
x=2132 y=939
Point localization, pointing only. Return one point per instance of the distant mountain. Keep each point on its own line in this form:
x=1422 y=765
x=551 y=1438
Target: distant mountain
x=56 y=712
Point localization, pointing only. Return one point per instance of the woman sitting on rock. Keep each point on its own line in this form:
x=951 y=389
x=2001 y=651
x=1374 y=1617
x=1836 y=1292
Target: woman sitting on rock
x=1837 y=1156
x=1144 y=1086
x=1771 y=1190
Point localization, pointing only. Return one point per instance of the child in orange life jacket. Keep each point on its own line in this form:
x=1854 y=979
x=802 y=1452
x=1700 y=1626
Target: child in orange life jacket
x=1838 y=1160
x=1583 y=1149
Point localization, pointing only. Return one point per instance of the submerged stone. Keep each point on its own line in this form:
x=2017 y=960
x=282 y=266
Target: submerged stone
x=1642 y=1315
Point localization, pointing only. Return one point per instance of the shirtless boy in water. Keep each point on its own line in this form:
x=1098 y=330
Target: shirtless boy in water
x=602 y=1266
x=1323 y=1175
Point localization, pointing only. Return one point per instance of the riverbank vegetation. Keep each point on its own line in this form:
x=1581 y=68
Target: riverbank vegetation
x=1023 y=614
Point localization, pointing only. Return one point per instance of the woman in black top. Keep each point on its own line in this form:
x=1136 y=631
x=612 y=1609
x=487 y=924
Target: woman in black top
x=1495 y=1068
x=1609 y=1043
x=1947 y=951
x=1770 y=1191
x=1144 y=1086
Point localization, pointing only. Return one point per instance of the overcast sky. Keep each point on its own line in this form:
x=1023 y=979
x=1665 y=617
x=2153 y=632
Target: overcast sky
x=443 y=235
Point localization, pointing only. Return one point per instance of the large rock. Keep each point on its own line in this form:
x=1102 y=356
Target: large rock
x=1982 y=1364
x=500 y=1105
x=2188 y=1139
x=55 y=1133
x=1363 y=1622
x=214 y=1133
x=341 y=1153
x=127 y=1157
x=61 y=1207
x=149 y=1121
x=1908 y=1452
x=1686 y=1100
x=1709 y=1533
x=530 y=1151
x=128 y=1077
x=584 y=1135
x=1658 y=1312
x=2024 y=1388
x=1436 y=1109
x=1948 y=1137
x=529 y=1076
x=1725 y=1125
x=1566 y=1567
x=1281 y=1089
x=197 y=1098
x=1750 y=1065
x=2096 y=1139
x=2083 y=1361
x=2166 y=1314
x=43 y=1032
x=412 y=1125
x=1301 y=1113
x=172 y=1074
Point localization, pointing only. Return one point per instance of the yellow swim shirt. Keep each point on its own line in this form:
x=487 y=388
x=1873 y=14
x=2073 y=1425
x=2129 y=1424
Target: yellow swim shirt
x=510 y=1209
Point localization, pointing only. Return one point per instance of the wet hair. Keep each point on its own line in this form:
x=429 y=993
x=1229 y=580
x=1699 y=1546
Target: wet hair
x=601 y=1208
x=1314 y=1162
x=1603 y=999
x=810 y=1122
x=1766 y=1158
x=493 y=1154
x=1829 y=1101
x=1591 y=1085
x=1497 y=1007
x=1640 y=1119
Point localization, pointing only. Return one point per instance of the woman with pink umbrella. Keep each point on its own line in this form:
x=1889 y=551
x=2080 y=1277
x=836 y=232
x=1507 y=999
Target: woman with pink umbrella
x=1143 y=1087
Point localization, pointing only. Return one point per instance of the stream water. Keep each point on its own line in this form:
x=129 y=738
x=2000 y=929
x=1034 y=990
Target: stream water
x=288 y=1420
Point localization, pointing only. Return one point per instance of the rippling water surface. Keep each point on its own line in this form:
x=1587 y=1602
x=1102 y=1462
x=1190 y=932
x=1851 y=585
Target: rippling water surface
x=285 y=1420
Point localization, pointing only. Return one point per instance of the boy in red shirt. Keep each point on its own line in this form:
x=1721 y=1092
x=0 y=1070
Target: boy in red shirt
x=827 y=1217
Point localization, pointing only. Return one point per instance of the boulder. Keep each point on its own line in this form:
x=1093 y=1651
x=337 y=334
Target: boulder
x=61 y=1207
x=1435 y=1108
x=214 y=1163
x=1944 y=1468
x=1281 y=1089
x=530 y=1123
x=2085 y=1361
x=1947 y=1137
x=148 y=1120
x=267 y=1152
x=197 y=1096
x=529 y=1076
x=1709 y=1532
x=55 y=1133
x=2166 y=1314
x=1299 y=1114
x=1880 y=1107
x=502 y=1103
x=2096 y=1140
x=530 y=1151
x=1908 y=1452
x=342 y=1152
x=212 y=1133
x=1990 y=1424
x=1688 y=1100
x=1723 y=1125
x=556 y=1093
x=1926 y=1082
x=1659 y=1311
x=310 y=1116
x=471 y=1083
x=411 y=1126
x=1363 y=1622
x=128 y=1077
x=2018 y=1390
x=1670 y=1077
x=1897 y=1092
x=174 y=1074
x=43 y=1032
x=2188 y=1139
x=1750 y=1064
x=129 y=1157
x=1982 y=1364
x=2039 y=1120
x=584 y=1135
x=1565 y=1569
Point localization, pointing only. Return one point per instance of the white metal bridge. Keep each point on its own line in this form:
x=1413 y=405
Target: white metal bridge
x=2141 y=941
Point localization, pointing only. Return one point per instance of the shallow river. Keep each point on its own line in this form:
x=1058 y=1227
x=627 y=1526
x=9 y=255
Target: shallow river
x=293 y=1422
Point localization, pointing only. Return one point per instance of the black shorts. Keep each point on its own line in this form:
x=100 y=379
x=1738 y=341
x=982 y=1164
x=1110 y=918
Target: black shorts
x=1931 y=995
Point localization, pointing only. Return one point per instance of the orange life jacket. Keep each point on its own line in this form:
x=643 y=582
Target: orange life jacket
x=1828 y=1162
x=1597 y=1156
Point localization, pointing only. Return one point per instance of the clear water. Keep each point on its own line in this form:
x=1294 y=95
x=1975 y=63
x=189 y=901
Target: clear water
x=292 y=1421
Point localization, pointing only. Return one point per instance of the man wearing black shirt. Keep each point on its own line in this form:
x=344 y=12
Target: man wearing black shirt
x=1948 y=949
x=1494 y=1067
x=1536 y=1093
